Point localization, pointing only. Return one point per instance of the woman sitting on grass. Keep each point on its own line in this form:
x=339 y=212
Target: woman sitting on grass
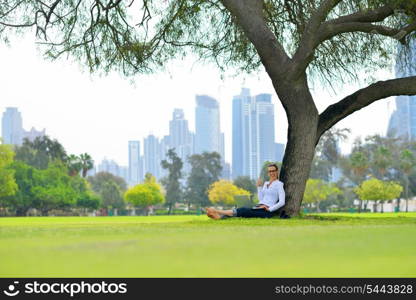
x=271 y=198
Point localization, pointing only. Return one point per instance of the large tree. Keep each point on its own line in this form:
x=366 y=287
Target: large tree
x=318 y=190
x=296 y=42
x=110 y=188
x=24 y=198
x=225 y=192
x=378 y=191
x=145 y=194
x=99 y=180
x=407 y=163
x=172 y=184
x=8 y=184
x=205 y=169
x=41 y=151
x=245 y=183
x=87 y=163
x=46 y=189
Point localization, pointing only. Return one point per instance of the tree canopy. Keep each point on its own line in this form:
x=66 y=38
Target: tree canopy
x=318 y=190
x=110 y=188
x=47 y=189
x=375 y=189
x=101 y=178
x=139 y=36
x=41 y=151
x=245 y=183
x=145 y=194
x=205 y=169
x=8 y=184
x=224 y=192
x=173 y=164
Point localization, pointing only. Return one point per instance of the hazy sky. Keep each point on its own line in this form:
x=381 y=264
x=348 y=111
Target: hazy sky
x=99 y=115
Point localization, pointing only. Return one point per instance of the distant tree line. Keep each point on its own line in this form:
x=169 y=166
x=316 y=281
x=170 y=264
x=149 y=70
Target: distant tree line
x=376 y=164
x=40 y=177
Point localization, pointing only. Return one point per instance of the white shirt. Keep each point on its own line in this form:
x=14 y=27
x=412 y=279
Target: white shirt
x=272 y=196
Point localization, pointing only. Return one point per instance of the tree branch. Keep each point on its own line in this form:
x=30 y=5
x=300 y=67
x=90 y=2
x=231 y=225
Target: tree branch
x=362 y=22
x=249 y=15
x=304 y=53
x=362 y=98
x=357 y=22
x=374 y=15
x=52 y=8
x=329 y=31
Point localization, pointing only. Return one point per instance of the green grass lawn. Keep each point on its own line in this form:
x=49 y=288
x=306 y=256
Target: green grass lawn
x=324 y=245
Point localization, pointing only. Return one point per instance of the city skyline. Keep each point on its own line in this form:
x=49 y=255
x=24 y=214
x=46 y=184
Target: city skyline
x=207 y=138
x=98 y=115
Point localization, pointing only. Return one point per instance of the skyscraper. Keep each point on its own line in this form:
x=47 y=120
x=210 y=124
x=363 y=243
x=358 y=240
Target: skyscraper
x=152 y=155
x=181 y=137
x=253 y=133
x=402 y=122
x=135 y=174
x=237 y=127
x=207 y=125
x=12 y=129
x=279 y=152
x=178 y=129
x=265 y=130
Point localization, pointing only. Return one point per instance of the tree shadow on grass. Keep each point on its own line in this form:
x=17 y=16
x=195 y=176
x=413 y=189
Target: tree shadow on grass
x=309 y=219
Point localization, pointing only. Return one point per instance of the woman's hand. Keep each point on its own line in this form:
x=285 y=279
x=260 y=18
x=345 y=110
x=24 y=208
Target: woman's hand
x=259 y=182
x=265 y=207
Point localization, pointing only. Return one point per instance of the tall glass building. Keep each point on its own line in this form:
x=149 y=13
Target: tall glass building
x=152 y=156
x=135 y=168
x=237 y=162
x=265 y=131
x=181 y=138
x=253 y=133
x=12 y=129
x=208 y=137
x=403 y=120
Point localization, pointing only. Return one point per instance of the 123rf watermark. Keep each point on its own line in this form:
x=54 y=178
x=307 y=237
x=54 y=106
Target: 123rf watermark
x=71 y=289
x=365 y=289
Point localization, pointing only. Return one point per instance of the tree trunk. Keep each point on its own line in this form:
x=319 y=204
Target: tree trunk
x=301 y=142
x=295 y=170
x=407 y=192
